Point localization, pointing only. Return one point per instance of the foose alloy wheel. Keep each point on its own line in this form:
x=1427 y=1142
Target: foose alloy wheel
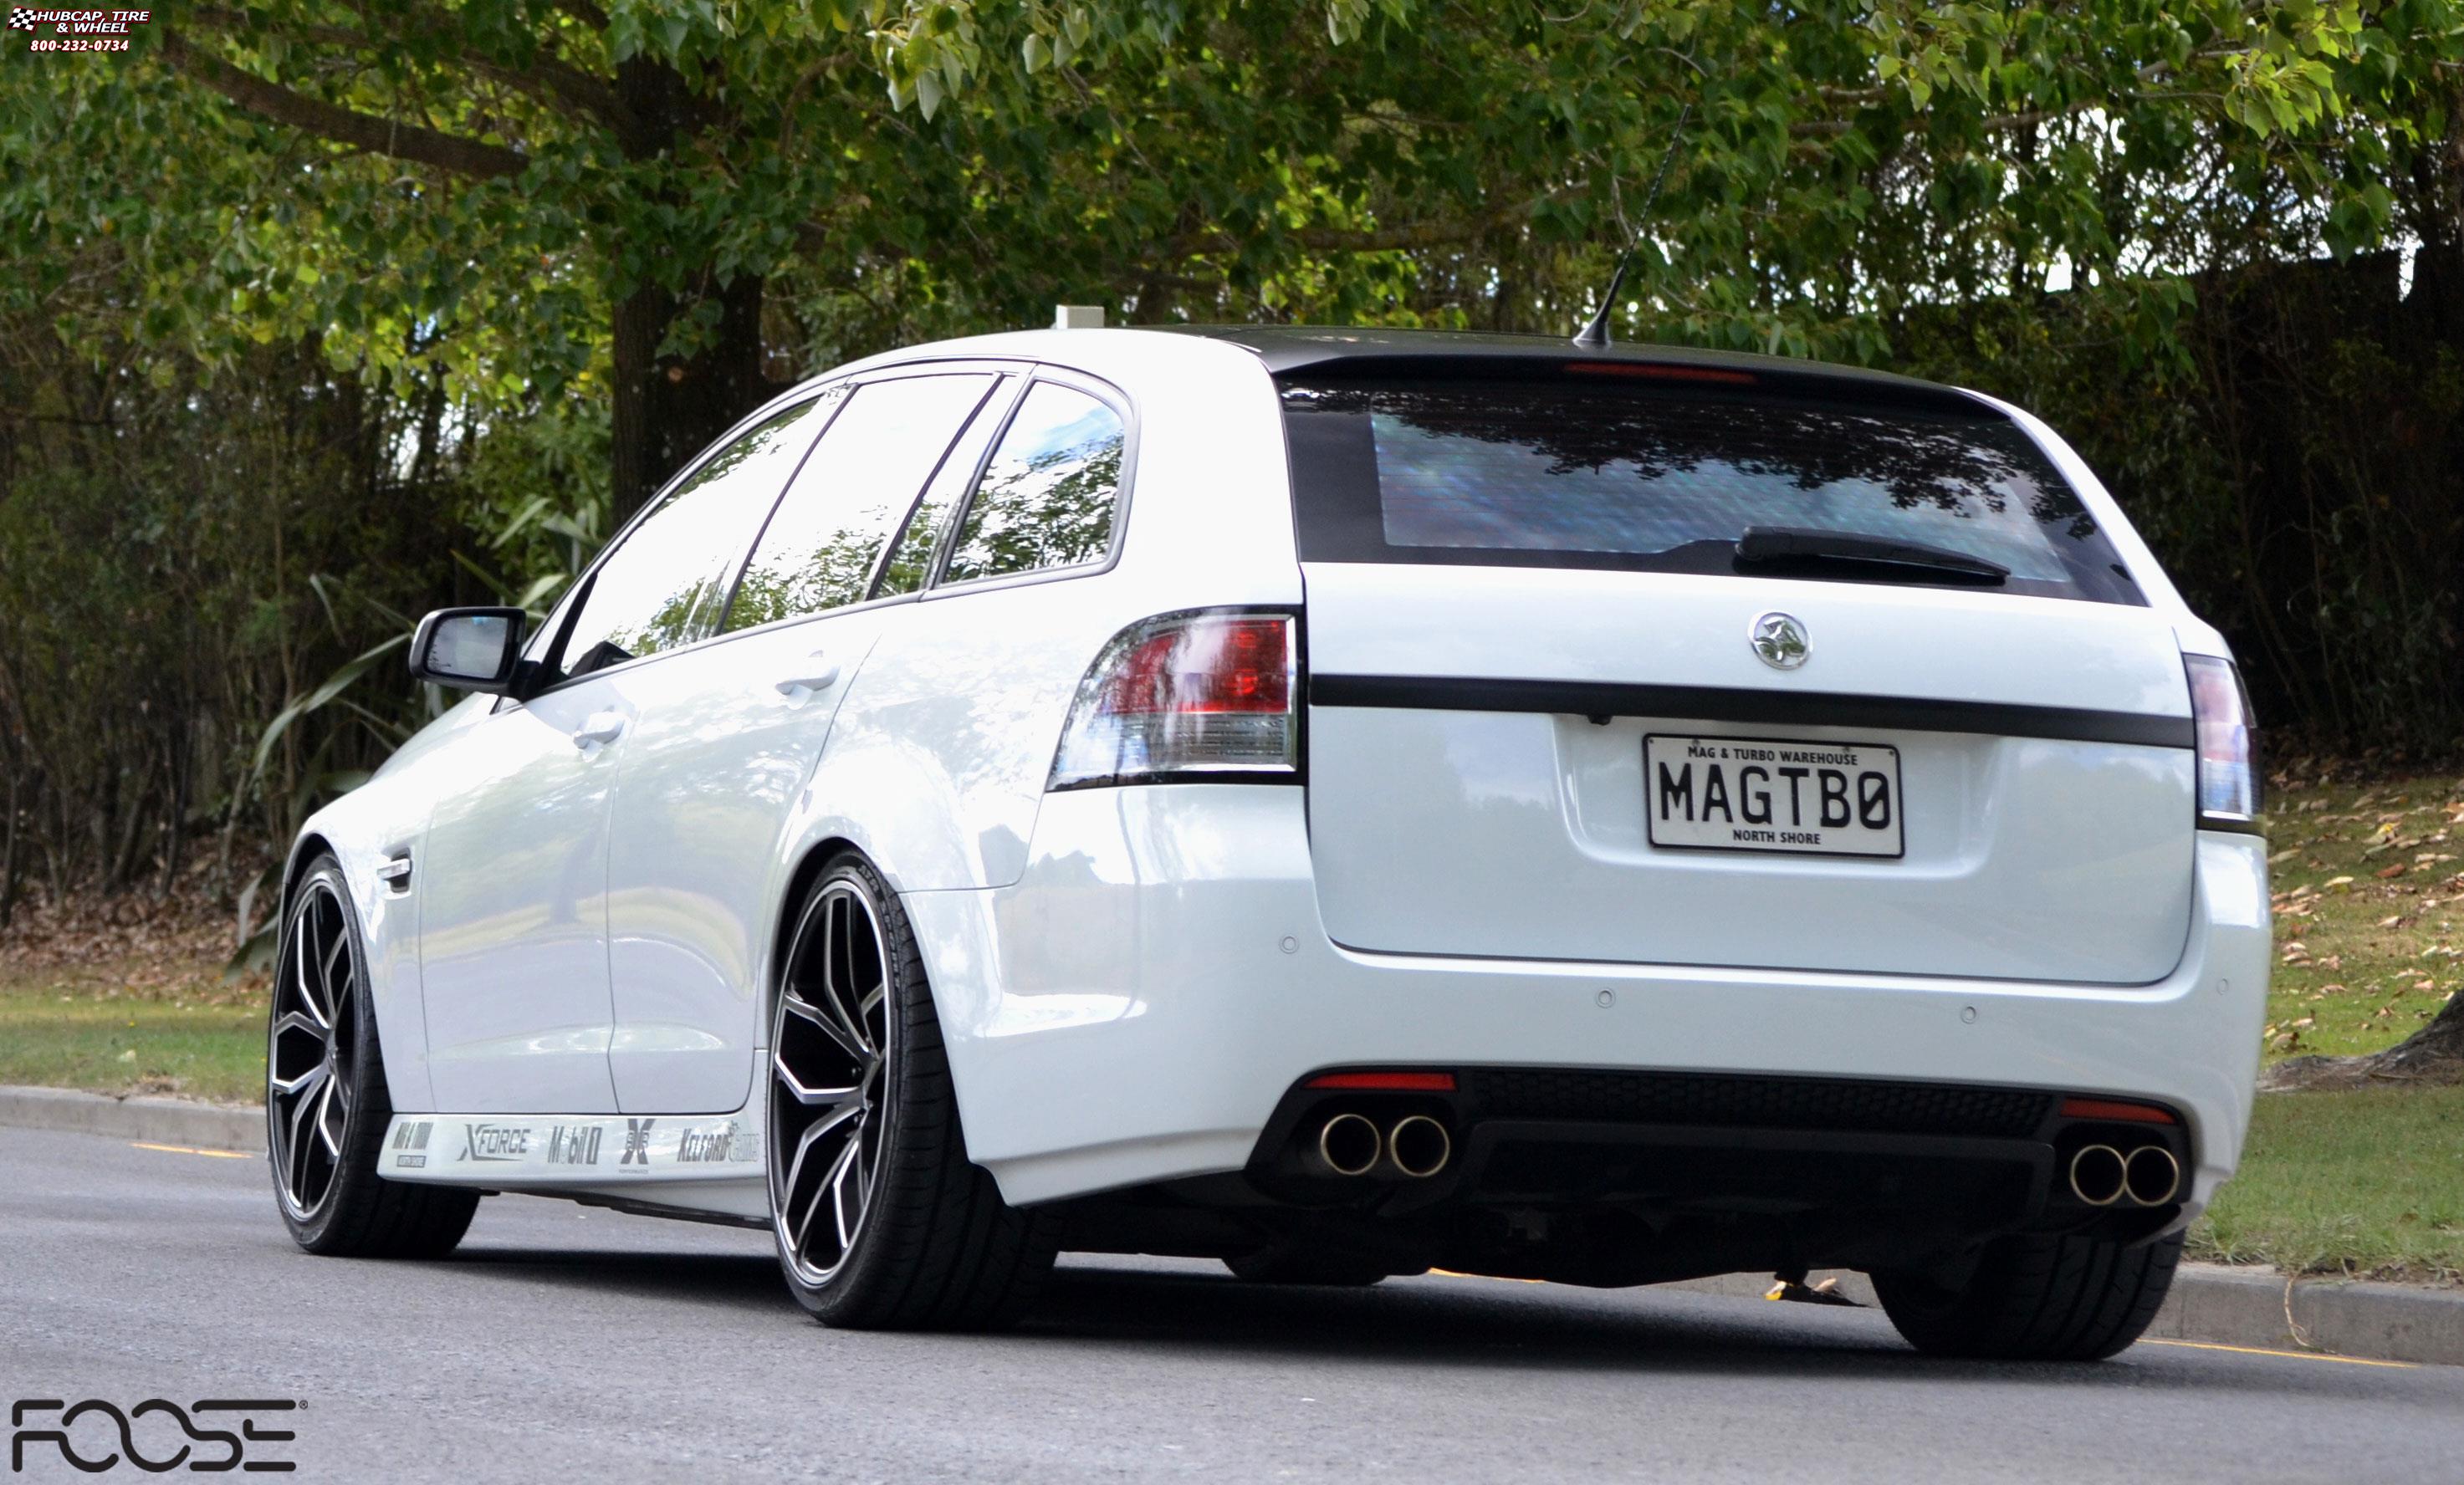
x=880 y=1220
x=326 y=1106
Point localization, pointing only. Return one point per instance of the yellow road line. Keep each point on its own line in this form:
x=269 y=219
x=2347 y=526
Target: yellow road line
x=2256 y=1351
x=184 y=1149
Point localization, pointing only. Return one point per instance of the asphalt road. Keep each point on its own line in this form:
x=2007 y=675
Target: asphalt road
x=567 y=1343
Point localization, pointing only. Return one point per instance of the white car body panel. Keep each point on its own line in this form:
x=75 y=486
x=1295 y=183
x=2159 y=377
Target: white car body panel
x=511 y=875
x=1143 y=955
x=700 y=1165
x=1129 y=979
x=726 y=741
x=1521 y=833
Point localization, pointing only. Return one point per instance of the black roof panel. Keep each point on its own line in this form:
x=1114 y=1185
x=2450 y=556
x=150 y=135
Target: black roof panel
x=1290 y=348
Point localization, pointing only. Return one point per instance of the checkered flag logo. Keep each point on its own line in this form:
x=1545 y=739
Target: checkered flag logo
x=22 y=18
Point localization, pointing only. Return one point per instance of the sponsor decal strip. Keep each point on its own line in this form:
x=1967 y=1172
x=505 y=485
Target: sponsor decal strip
x=577 y=1149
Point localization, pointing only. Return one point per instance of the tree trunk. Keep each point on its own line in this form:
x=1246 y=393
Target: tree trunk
x=8 y=852
x=175 y=819
x=2433 y=1054
x=668 y=409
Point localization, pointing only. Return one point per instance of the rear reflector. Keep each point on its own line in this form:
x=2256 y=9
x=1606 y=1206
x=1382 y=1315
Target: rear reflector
x=1189 y=695
x=1387 y=1083
x=2114 y=1109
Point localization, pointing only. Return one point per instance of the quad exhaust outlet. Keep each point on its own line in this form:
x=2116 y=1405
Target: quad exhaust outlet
x=1348 y=1144
x=1416 y=1145
x=2148 y=1176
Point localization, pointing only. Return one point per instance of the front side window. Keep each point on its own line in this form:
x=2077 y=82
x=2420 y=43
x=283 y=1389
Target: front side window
x=1050 y=494
x=817 y=551
x=663 y=587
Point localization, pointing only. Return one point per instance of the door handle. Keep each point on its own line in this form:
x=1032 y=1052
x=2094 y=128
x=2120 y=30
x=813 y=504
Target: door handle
x=799 y=687
x=605 y=726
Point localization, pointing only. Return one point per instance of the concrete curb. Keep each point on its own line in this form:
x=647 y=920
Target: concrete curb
x=2216 y=1304
x=2211 y=1303
x=161 y=1121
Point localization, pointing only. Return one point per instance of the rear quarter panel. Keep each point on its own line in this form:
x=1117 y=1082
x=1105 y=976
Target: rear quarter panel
x=937 y=763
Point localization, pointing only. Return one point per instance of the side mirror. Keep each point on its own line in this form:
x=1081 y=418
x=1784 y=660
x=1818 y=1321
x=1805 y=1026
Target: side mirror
x=468 y=650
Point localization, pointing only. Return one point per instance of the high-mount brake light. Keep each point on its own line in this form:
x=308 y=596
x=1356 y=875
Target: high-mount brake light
x=1187 y=695
x=2228 y=784
x=1655 y=371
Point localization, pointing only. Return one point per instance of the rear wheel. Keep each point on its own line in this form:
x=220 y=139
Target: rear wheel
x=326 y=1105
x=881 y=1222
x=2034 y=1297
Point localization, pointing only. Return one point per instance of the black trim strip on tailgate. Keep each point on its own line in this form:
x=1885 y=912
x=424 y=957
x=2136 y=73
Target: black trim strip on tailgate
x=1727 y=704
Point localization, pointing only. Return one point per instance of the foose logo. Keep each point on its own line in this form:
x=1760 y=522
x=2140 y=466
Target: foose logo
x=42 y=1423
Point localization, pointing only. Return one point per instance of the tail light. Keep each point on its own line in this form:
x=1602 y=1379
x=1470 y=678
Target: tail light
x=1186 y=696
x=2229 y=791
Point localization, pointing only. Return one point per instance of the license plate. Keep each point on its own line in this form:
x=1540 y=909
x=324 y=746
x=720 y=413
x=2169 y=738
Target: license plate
x=1768 y=794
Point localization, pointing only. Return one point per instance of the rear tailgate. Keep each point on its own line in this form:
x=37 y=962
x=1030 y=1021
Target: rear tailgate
x=1955 y=780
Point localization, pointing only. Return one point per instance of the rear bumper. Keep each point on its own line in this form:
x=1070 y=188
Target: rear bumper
x=1136 y=1006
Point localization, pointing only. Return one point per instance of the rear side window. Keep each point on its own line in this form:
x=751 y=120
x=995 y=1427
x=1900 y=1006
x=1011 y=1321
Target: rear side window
x=1048 y=496
x=1567 y=472
x=665 y=585
x=817 y=551
x=911 y=561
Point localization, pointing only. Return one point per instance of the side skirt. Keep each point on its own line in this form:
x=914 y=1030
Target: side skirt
x=696 y=1167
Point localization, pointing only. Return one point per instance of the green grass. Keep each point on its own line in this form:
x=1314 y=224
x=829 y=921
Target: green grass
x=81 y=1028
x=2368 y=1183
x=2369 y=893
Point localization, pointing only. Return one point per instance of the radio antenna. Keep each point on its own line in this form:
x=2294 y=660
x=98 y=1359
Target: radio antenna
x=1595 y=334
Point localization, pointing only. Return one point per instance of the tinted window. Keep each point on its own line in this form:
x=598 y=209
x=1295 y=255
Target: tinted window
x=663 y=587
x=1655 y=478
x=1047 y=498
x=818 y=551
x=911 y=561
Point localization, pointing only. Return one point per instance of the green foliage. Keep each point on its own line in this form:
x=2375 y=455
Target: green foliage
x=327 y=290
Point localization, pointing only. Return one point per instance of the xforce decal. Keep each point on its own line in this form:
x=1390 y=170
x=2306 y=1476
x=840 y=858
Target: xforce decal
x=495 y=1142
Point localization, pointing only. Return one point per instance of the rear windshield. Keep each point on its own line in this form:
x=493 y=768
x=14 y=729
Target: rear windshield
x=1578 y=472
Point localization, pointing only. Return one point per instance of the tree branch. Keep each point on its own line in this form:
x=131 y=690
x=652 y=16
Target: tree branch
x=410 y=142
x=1332 y=239
x=547 y=81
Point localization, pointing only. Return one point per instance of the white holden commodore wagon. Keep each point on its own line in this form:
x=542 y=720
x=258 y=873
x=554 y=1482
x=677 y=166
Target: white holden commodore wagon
x=1337 y=802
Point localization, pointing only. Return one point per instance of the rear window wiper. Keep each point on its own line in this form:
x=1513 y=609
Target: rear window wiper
x=1811 y=550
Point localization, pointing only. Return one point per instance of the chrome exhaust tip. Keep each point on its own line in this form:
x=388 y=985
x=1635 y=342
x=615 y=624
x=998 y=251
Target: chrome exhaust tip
x=2099 y=1175
x=1348 y=1144
x=2151 y=1175
x=1419 y=1146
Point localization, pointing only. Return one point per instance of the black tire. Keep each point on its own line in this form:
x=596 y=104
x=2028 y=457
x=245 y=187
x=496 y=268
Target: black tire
x=2035 y=1298
x=1291 y=1266
x=934 y=1246
x=342 y=1207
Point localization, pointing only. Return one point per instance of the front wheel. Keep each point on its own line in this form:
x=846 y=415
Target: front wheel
x=880 y=1220
x=2034 y=1297
x=326 y=1105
